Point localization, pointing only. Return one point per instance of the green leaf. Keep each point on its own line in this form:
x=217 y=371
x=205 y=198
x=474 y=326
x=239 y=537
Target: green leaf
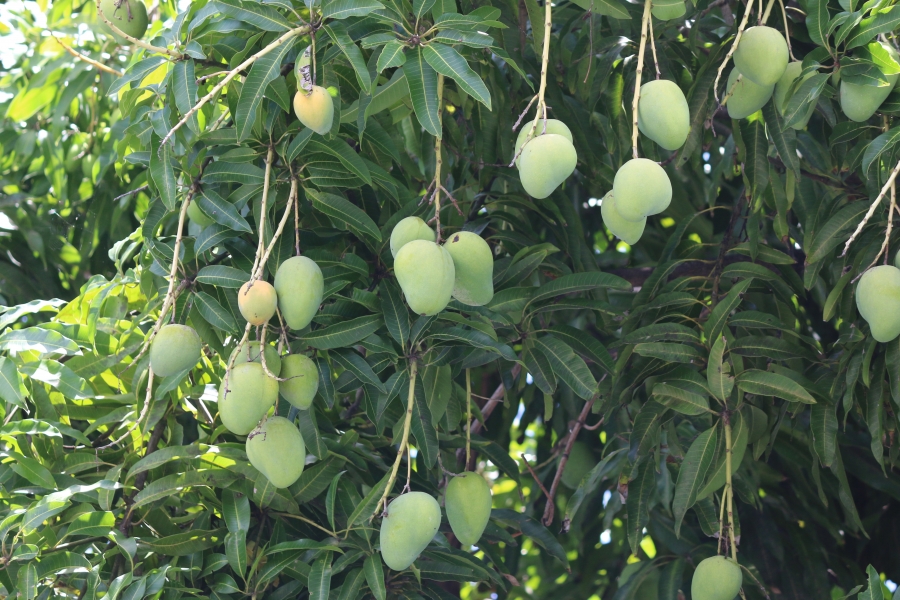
x=163 y=174
x=392 y=55
x=817 y=19
x=540 y=370
x=343 y=9
x=874 y=591
x=880 y=148
x=340 y=150
x=881 y=22
x=214 y=313
x=423 y=429
x=474 y=338
x=11 y=389
x=345 y=212
x=320 y=578
x=253 y=13
x=167 y=486
x=221 y=210
x=357 y=365
x=719 y=474
x=579 y=282
x=715 y=323
x=344 y=333
x=396 y=315
x=422 y=81
x=785 y=139
x=42 y=341
x=182 y=544
x=438 y=384
x=807 y=93
x=718 y=371
x=329 y=498
x=60 y=376
x=823 y=424
x=31 y=469
x=236 y=551
x=764 y=383
x=680 y=353
x=694 y=469
x=346 y=45
x=755 y=160
x=835 y=231
x=91 y=524
x=450 y=63
x=375 y=576
x=222 y=276
x=680 y=400
x=568 y=366
x=236 y=510
x=262 y=73
x=184 y=88
x=586 y=345
x=640 y=493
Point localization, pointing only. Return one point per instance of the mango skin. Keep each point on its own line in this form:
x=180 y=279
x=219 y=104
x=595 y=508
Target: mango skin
x=627 y=231
x=545 y=163
x=669 y=11
x=276 y=450
x=315 y=110
x=468 y=504
x=249 y=352
x=663 y=113
x=878 y=301
x=299 y=285
x=641 y=188
x=784 y=84
x=302 y=380
x=407 y=230
x=130 y=18
x=580 y=462
x=762 y=55
x=716 y=578
x=412 y=521
x=859 y=102
x=553 y=126
x=426 y=275
x=198 y=217
x=257 y=301
x=251 y=393
x=747 y=98
x=473 y=263
x=174 y=349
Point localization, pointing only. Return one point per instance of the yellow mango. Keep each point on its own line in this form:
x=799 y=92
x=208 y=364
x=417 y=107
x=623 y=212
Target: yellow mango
x=580 y=462
x=473 y=263
x=762 y=55
x=663 y=114
x=628 y=231
x=553 y=126
x=407 y=230
x=249 y=352
x=641 y=188
x=276 y=450
x=174 y=349
x=747 y=97
x=545 y=163
x=299 y=285
x=791 y=73
x=130 y=16
x=716 y=578
x=315 y=110
x=257 y=301
x=426 y=275
x=198 y=217
x=301 y=380
x=412 y=521
x=250 y=395
x=468 y=504
x=878 y=301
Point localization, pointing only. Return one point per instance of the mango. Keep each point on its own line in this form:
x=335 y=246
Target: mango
x=747 y=97
x=666 y=10
x=301 y=380
x=628 y=231
x=553 y=126
x=412 y=521
x=641 y=188
x=407 y=230
x=859 y=102
x=473 y=263
x=299 y=285
x=791 y=73
x=198 y=217
x=897 y=259
x=174 y=349
x=580 y=462
x=129 y=16
x=468 y=504
x=276 y=450
x=762 y=55
x=426 y=275
x=257 y=301
x=315 y=110
x=545 y=163
x=249 y=352
x=250 y=395
x=716 y=578
x=663 y=114
x=878 y=301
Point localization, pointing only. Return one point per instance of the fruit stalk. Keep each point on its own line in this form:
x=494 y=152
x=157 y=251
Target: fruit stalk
x=438 y=163
x=729 y=489
x=731 y=51
x=887 y=185
x=768 y=11
x=88 y=60
x=404 y=442
x=468 y=419
x=645 y=23
x=258 y=264
x=540 y=111
x=550 y=507
x=292 y=199
x=134 y=40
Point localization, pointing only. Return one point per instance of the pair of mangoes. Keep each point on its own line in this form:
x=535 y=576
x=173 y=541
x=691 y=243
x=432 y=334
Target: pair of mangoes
x=277 y=450
x=413 y=519
x=859 y=102
x=716 y=578
x=641 y=188
x=298 y=290
x=129 y=16
x=760 y=61
x=547 y=159
x=878 y=300
x=431 y=274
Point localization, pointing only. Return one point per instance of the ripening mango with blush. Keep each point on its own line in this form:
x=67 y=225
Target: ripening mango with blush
x=641 y=188
x=746 y=97
x=407 y=230
x=553 y=126
x=411 y=522
x=174 y=349
x=627 y=231
x=762 y=55
x=300 y=286
x=663 y=114
x=878 y=301
x=859 y=102
x=301 y=380
x=257 y=301
x=276 y=450
x=473 y=264
x=249 y=352
x=716 y=578
x=468 y=503
x=791 y=73
x=315 y=109
x=546 y=161
x=249 y=395
x=426 y=275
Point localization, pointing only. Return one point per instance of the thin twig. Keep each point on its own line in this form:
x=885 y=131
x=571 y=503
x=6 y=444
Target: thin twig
x=737 y=40
x=257 y=264
x=645 y=20
x=88 y=60
x=536 y=478
x=404 y=442
x=468 y=418
x=872 y=207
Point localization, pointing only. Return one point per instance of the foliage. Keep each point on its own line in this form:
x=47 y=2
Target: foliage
x=731 y=323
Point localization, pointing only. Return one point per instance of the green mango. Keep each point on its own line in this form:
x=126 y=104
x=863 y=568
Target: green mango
x=301 y=380
x=257 y=301
x=762 y=55
x=426 y=275
x=198 y=217
x=553 y=126
x=468 y=504
x=130 y=17
x=299 y=285
x=411 y=522
x=716 y=578
x=407 y=230
x=628 y=231
x=581 y=461
x=878 y=301
x=859 y=102
x=249 y=352
x=666 y=10
x=747 y=97
x=276 y=450
x=473 y=264
x=315 y=110
x=546 y=161
x=663 y=114
x=791 y=73
x=641 y=188
x=174 y=349
x=251 y=393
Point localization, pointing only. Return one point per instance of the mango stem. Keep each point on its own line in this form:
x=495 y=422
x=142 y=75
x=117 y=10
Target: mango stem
x=729 y=489
x=404 y=442
x=645 y=23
